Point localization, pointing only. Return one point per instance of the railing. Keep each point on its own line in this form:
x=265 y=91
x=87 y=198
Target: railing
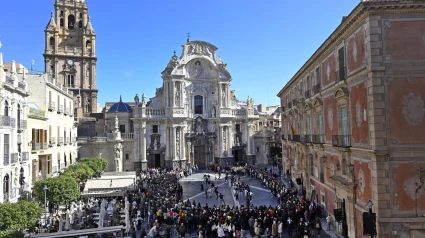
x=343 y=141
x=52 y=141
x=307 y=94
x=317 y=88
x=239 y=112
x=302 y=138
x=318 y=139
x=60 y=109
x=65 y=141
x=308 y=138
x=61 y=141
x=128 y=136
x=25 y=156
x=340 y=75
x=22 y=124
x=295 y=138
x=52 y=106
x=21 y=85
x=36 y=146
x=155 y=112
x=55 y=169
x=7 y=121
x=322 y=177
x=6 y=160
x=45 y=145
x=14 y=158
x=65 y=111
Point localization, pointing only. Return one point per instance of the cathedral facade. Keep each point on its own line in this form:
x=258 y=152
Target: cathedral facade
x=193 y=119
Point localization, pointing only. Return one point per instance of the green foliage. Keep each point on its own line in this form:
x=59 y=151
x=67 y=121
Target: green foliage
x=16 y=217
x=61 y=189
x=80 y=172
x=98 y=165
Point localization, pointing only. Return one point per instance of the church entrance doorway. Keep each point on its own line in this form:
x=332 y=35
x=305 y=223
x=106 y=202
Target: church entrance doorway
x=200 y=156
x=157 y=160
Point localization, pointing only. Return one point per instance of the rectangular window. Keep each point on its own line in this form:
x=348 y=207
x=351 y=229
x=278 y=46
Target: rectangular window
x=127 y=156
x=320 y=124
x=344 y=129
x=318 y=75
x=238 y=127
x=122 y=128
x=6 y=146
x=155 y=129
x=308 y=83
x=199 y=104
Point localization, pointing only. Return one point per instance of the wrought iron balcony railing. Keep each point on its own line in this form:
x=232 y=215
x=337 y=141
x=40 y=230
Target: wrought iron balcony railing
x=36 y=146
x=6 y=159
x=52 y=141
x=14 y=158
x=25 y=156
x=52 y=106
x=340 y=75
x=317 y=88
x=343 y=141
x=7 y=121
x=295 y=138
x=60 y=109
x=307 y=94
x=318 y=139
x=308 y=138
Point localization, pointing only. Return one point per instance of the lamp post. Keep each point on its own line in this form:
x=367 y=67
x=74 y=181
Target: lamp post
x=421 y=174
x=45 y=204
x=370 y=204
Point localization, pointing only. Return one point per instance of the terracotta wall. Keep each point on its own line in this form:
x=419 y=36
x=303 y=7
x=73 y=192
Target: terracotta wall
x=406 y=100
x=355 y=51
x=404 y=40
x=328 y=70
x=405 y=180
x=330 y=118
x=364 y=181
x=359 y=114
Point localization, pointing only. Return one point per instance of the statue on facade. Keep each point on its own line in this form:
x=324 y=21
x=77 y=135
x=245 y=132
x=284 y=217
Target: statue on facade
x=117 y=153
x=143 y=100
x=249 y=103
x=213 y=112
x=197 y=69
x=177 y=97
x=116 y=123
x=223 y=97
x=136 y=100
x=155 y=144
x=237 y=140
x=199 y=128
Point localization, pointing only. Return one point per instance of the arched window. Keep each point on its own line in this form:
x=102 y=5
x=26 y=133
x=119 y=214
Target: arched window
x=80 y=24
x=6 y=108
x=61 y=22
x=6 y=184
x=52 y=41
x=71 y=22
x=88 y=45
x=199 y=104
x=70 y=80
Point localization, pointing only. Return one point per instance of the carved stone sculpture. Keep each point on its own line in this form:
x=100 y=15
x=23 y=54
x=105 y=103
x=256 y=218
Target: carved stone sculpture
x=136 y=100
x=143 y=100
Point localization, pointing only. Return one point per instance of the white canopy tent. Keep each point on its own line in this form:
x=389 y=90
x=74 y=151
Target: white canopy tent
x=111 y=184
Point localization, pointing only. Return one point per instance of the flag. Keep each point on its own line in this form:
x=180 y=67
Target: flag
x=294 y=132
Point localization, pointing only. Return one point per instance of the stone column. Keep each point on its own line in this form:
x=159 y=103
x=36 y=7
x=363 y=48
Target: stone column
x=143 y=146
x=248 y=139
x=183 y=147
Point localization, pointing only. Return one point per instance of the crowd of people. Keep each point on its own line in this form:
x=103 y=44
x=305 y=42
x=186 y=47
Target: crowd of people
x=158 y=201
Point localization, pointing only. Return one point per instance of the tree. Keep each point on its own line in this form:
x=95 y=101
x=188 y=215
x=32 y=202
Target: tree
x=98 y=165
x=80 y=172
x=17 y=217
x=61 y=189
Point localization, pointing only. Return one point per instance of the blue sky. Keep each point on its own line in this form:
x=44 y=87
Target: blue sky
x=264 y=43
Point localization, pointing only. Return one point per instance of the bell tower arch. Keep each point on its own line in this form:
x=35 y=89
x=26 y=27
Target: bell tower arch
x=70 y=53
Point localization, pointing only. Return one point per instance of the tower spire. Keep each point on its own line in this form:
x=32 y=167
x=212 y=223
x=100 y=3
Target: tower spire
x=51 y=23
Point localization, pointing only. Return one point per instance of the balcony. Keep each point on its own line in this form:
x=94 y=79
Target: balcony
x=289 y=104
x=44 y=145
x=302 y=138
x=14 y=158
x=52 y=141
x=65 y=141
x=60 y=141
x=52 y=106
x=317 y=88
x=308 y=138
x=340 y=75
x=25 y=156
x=36 y=146
x=343 y=141
x=60 y=109
x=7 y=121
x=295 y=138
x=127 y=136
x=66 y=111
x=22 y=125
x=21 y=85
x=307 y=94
x=318 y=139
x=6 y=160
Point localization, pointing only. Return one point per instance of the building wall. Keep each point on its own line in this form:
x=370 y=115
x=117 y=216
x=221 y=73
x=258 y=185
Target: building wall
x=382 y=88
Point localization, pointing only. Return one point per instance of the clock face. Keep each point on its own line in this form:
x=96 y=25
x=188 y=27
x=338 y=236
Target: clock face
x=70 y=62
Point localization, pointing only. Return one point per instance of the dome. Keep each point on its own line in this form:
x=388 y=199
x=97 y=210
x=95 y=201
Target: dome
x=120 y=107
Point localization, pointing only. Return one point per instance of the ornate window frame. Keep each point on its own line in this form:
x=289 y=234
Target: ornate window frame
x=341 y=96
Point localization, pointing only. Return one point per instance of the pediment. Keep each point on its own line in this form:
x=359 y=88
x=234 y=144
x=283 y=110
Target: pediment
x=318 y=103
x=341 y=92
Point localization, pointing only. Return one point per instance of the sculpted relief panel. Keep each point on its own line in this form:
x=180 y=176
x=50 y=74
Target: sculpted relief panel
x=358 y=107
x=355 y=51
x=413 y=109
x=405 y=177
x=328 y=69
x=200 y=69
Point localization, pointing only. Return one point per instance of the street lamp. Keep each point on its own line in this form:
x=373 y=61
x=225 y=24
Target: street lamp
x=45 y=204
x=421 y=174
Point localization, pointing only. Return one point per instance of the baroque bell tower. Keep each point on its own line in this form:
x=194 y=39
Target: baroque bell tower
x=70 y=53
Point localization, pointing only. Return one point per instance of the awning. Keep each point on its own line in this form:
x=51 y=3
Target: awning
x=77 y=233
x=102 y=194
